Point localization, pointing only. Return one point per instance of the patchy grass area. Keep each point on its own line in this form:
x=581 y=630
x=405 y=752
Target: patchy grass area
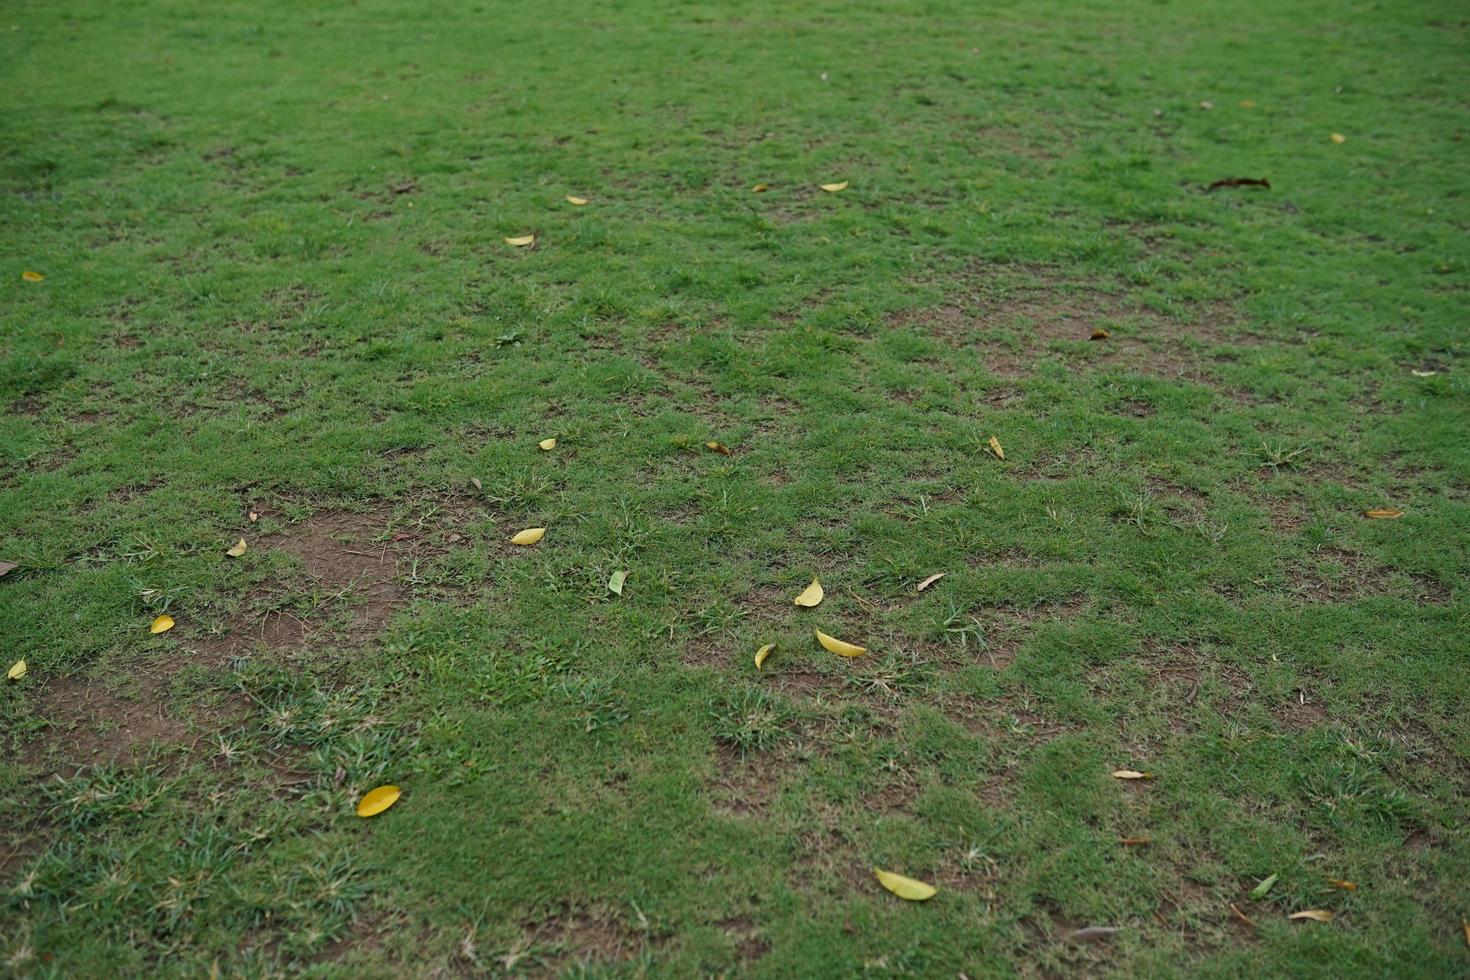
x=276 y=282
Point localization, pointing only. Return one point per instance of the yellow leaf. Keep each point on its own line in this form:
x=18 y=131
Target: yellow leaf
x=575 y=200
x=375 y=801
x=615 y=582
x=521 y=241
x=1131 y=774
x=1247 y=104
x=906 y=888
x=1383 y=513
x=529 y=536
x=762 y=654
x=1316 y=915
x=547 y=445
x=995 y=448
x=811 y=595
x=1423 y=374
x=838 y=647
x=834 y=188
x=1339 y=138
x=719 y=447
x=1099 y=333
x=238 y=549
x=254 y=517
x=162 y=624
x=929 y=581
x=17 y=670
x=760 y=188
x=1338 y=883
x=30 y=276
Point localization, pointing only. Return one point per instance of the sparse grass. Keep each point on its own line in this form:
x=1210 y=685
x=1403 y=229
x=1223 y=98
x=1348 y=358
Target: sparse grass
x=276 y=281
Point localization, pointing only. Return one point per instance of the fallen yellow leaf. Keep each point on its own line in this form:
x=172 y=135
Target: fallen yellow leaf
x=575 y=200
x=1339 y=138
x=30 y=276
x=762 y=654
x=1338 y=883
x=1247 y=104
x=811 y=595
x=375 y=801
x=995 y=448
x=929 y=581
x=718 y=447
x=547 y=445
x=1383 y=513
x=834 y=188
x=1099 y=333
x=760 y=188
x=162 y=624
x=906 y=888
x=254 y=517
x=238 y=549
x=1131 y=774
x=17 y=670
x=1316 y=915
x=529 y=536
x=1422 y=374
x=521 y=240
x=838 y=647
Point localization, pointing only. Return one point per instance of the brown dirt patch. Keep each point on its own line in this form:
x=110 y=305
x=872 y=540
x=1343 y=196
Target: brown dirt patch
x=744 y=786
x=594 y=935
x=1299 y=712
x=1333 y=575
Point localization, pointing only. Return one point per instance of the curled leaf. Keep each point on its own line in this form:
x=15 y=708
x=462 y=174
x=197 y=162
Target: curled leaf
x=529 y=536
x=375 y=801
x=760 y=188
x=1092 y=934
x=17 y=670
x=576 y=201
x=1383 y=513
x=909 y=889
x=253 y=517
x=1316 y=915
x=718 y=447
x=834 y=188
x=929 y=581
x=1339 y=138
x=30 y=276
x=762 y=654
x=1340 y=885
x=237 y=549
x=162 y=624
x=521 y=241
x=1135 y=841
x=811 y=595
x=615 y=582
x=1131 y=774
x=839 y=647
x=1098 y=333
x=547 y=445
x=1422 y=374
x=6 y=567
x=1264 y=886
x=995 y=449
x=475 y=482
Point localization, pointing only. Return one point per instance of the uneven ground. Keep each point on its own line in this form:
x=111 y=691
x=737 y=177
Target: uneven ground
x=276 y=281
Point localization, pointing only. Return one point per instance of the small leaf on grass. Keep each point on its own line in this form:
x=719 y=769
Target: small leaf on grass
x=1339 y=138
x=995 y=449
x=162 y=624
x=1131 y=774
x=1465 y=924
x=529 y=536
x=1091 y=934
x=839 y=647
x=906 y=888
x=1264 y=886
x=718 y=447
x=17 y=670
x=475 y=482
x=6 y=567
x=521 y=241
x=576 y=201
x=253 y=517
x=1098 y=333
x=1316 y=915
x=615 y=582
x=929 y=581
x=237 y=549
x=1134 y=841
x=811 y=595
x=1340 y=885
x=762 y=654
x=834 y=188
x=1383 y=513
x=760 y=188
x=1422 y=374
x=375 y=801
x=30 y=276
x=547 y=445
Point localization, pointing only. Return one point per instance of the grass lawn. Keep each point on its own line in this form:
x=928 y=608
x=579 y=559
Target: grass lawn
x=278 y=304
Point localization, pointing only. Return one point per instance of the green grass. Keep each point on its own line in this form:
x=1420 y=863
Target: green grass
x=272 y=235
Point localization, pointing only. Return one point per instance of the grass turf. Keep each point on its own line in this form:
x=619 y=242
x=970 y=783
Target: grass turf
x=276 y=281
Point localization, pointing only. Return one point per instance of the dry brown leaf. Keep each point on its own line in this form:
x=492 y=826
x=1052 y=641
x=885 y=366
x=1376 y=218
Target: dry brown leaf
x=929 y=581
x=1242 y=916
x=1316 y=915
x=6 y=567
x=1131 y=774
x=475 y=482
x=718 y=447
x=1465 y=924
x=254 y=517
x=1092 y=934
x=1135 y=841
x=995 y=449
